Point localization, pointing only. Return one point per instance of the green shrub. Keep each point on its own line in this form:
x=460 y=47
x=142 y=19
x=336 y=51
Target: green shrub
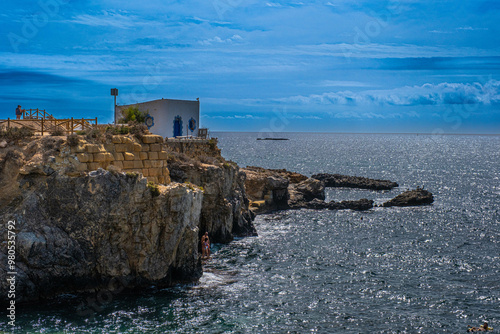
x=16 y=133
x=133 y=114
x=81 y=132
x=155 y=191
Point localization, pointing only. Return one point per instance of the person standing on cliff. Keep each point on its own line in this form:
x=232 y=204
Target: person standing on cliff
x=19 y=112
x=205 y=245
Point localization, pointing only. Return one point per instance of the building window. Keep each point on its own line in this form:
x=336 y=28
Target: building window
x=192 y=124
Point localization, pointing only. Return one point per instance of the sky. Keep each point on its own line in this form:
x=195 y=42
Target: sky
x=264 y=66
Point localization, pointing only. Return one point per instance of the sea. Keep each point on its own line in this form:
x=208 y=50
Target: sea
x=430 y=269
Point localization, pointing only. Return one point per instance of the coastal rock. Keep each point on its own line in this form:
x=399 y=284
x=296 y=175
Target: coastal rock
x=225 y=210
x=358 y=205
x=337 y=180
x=266 y=189
x=76 y=234
x=414 y=197
x=291 y=176
x=304 y=192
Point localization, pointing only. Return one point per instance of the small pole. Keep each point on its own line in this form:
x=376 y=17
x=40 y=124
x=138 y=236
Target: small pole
x=71 y=125
x=114 y=92
x=42 y=127
x=8 y=122
x=96 y=121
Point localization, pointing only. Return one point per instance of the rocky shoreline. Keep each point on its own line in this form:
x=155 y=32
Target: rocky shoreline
x=337 y=180
x=78 y=230
x=278 y=189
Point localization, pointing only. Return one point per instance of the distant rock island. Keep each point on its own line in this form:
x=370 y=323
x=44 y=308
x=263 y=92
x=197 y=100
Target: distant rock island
x=270 y=138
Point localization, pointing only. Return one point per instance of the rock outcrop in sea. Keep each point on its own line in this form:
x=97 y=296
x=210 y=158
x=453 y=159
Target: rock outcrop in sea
x=337 y=180
x=414 y=197
x=278 y=189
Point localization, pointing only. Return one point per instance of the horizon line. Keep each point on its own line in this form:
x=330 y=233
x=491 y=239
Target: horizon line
x=371 y=133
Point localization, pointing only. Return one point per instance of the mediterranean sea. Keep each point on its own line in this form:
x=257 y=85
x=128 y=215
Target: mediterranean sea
x=430 y=269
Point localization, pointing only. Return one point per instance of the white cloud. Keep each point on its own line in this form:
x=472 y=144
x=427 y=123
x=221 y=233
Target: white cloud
x=106 y=19
x=218 y=40
x=428 y=94
x=469 y=28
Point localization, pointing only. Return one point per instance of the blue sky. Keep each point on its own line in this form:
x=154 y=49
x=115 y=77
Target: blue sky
x=265 y=66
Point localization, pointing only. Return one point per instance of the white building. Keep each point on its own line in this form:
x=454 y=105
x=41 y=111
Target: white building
x=168 y=118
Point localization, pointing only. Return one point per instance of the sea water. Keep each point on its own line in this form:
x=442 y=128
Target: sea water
x=431 y=269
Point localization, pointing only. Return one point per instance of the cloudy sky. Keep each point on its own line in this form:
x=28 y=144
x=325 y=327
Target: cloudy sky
x=328 y=66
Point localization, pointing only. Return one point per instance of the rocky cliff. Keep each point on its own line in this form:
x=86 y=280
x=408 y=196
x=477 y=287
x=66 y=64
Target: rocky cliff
x=86 y=215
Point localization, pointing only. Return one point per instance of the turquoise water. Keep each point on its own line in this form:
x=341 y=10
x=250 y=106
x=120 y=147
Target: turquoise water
x=431 y=269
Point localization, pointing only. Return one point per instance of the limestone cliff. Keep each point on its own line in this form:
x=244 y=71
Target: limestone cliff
x=79 y=226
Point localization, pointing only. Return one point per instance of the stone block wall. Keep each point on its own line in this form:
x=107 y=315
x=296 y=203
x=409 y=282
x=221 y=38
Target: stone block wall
x=125 y=154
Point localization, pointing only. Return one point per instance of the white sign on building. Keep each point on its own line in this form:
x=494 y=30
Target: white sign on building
x=168 y=118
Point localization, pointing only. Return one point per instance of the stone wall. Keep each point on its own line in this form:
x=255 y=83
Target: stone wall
x=148 y=156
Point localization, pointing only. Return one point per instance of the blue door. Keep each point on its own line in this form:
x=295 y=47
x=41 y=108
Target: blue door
x=177 y=126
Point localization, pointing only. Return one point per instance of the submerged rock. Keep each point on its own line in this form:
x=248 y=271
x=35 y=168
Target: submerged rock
x=337 y=180
x=415 y=197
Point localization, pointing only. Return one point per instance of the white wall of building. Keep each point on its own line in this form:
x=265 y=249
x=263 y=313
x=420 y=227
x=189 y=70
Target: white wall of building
x=164 y=113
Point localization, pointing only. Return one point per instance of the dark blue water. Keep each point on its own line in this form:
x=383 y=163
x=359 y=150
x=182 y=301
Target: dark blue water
x=433 y=269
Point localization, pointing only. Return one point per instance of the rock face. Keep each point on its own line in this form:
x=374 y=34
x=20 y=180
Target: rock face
x=225 y=205
x=267 y=189
x=75 y=234
x=304 y=192
x=337 y=180
x=411 y=198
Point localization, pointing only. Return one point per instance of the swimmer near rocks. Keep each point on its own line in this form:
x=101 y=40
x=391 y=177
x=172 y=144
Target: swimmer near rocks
x=205 y=246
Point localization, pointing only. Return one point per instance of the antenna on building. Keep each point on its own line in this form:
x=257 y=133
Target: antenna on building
x=114 y=92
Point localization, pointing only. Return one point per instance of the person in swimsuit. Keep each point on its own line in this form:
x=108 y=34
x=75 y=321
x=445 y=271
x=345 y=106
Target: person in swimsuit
x=205 y=245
